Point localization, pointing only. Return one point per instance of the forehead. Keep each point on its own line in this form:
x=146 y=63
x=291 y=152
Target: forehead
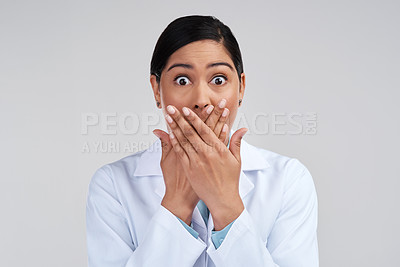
x=200 y=53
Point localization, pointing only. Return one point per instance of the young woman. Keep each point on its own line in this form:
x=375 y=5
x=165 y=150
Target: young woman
x=200 y=195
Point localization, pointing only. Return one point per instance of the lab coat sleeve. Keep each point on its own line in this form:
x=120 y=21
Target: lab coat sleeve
x=166 y=242
x=292 y=241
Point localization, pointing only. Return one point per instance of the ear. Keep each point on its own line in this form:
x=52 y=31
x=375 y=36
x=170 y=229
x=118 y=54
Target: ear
x=156 y=89
x=242 y=85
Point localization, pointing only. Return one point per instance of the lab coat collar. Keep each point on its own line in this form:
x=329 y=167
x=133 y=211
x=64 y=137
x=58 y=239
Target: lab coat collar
x=149 y=165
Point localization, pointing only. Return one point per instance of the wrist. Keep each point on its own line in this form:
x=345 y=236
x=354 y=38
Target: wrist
x=224 y=214
x=179 y=209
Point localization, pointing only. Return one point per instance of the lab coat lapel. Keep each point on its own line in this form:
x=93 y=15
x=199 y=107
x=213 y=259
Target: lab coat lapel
x=245 y=186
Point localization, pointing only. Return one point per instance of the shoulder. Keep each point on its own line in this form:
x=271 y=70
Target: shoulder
x=289 y=169
x=118 y=170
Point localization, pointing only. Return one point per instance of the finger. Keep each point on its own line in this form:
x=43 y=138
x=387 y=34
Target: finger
x=220 y=123
x=206 y=134
x=180 y=152
x=226 y=141
x=173 y=128
x=236 y=141
x=224 y=134
x=216 y=113
x=166 y=145
x=205 y=113
x=184 y=132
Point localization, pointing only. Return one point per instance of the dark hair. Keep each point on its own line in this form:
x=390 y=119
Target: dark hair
x=188 y=29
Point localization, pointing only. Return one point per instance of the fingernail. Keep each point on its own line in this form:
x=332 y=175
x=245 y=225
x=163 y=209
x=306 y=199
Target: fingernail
x=225 y=128
x=186 y=111
x=222 y=103
x=225 y=113
x=170 y=109
x=168 y=118
x=171 y=135
x=209 y=109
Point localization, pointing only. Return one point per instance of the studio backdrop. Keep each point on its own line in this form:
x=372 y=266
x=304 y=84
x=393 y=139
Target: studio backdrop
x=322 y=86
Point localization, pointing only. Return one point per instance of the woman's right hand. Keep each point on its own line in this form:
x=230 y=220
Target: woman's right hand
x=180 y=199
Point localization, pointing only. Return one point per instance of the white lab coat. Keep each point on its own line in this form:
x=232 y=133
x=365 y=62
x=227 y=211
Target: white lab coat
x=127 y=226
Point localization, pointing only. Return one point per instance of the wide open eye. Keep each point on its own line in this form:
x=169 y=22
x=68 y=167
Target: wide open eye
x=219 y=80
x=182 y=80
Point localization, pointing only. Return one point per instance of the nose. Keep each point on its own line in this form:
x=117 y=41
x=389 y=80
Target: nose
x=198 y=107
x=201 y=98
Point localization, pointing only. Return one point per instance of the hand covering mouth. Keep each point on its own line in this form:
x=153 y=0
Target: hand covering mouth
x=190 y=123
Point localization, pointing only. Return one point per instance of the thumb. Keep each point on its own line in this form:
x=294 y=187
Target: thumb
x=165 y=142
x=236 y=139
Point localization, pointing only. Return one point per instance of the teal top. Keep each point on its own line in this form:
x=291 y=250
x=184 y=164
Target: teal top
x=217 y=237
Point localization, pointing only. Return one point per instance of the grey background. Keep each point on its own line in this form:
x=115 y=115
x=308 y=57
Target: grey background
x=62 y=59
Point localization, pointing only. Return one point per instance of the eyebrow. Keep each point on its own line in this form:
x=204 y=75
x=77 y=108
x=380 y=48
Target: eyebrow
x=188 y=66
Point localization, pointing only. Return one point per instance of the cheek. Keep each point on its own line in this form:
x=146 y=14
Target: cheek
x=233 y=108
x=169 y=97
x=171 y=100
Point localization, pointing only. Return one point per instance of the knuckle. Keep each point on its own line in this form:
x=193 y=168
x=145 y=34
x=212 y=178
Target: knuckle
x=191 y=118
x=180 y=152
x=209 y=123
x=173 y=125
x=219 y=149
x=178 y=116
x=176 y=148
x=203 y=151
x=164 y=145
x=217 y=129
x=188 y=131
x=184 y=141
x=203 y=131
x=196 y=147
x=238 y=143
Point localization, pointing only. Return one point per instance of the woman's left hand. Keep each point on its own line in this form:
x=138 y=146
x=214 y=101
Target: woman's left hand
x=213 y=170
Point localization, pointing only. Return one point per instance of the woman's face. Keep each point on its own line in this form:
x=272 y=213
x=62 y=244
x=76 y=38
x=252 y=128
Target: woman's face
x=197 y=75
